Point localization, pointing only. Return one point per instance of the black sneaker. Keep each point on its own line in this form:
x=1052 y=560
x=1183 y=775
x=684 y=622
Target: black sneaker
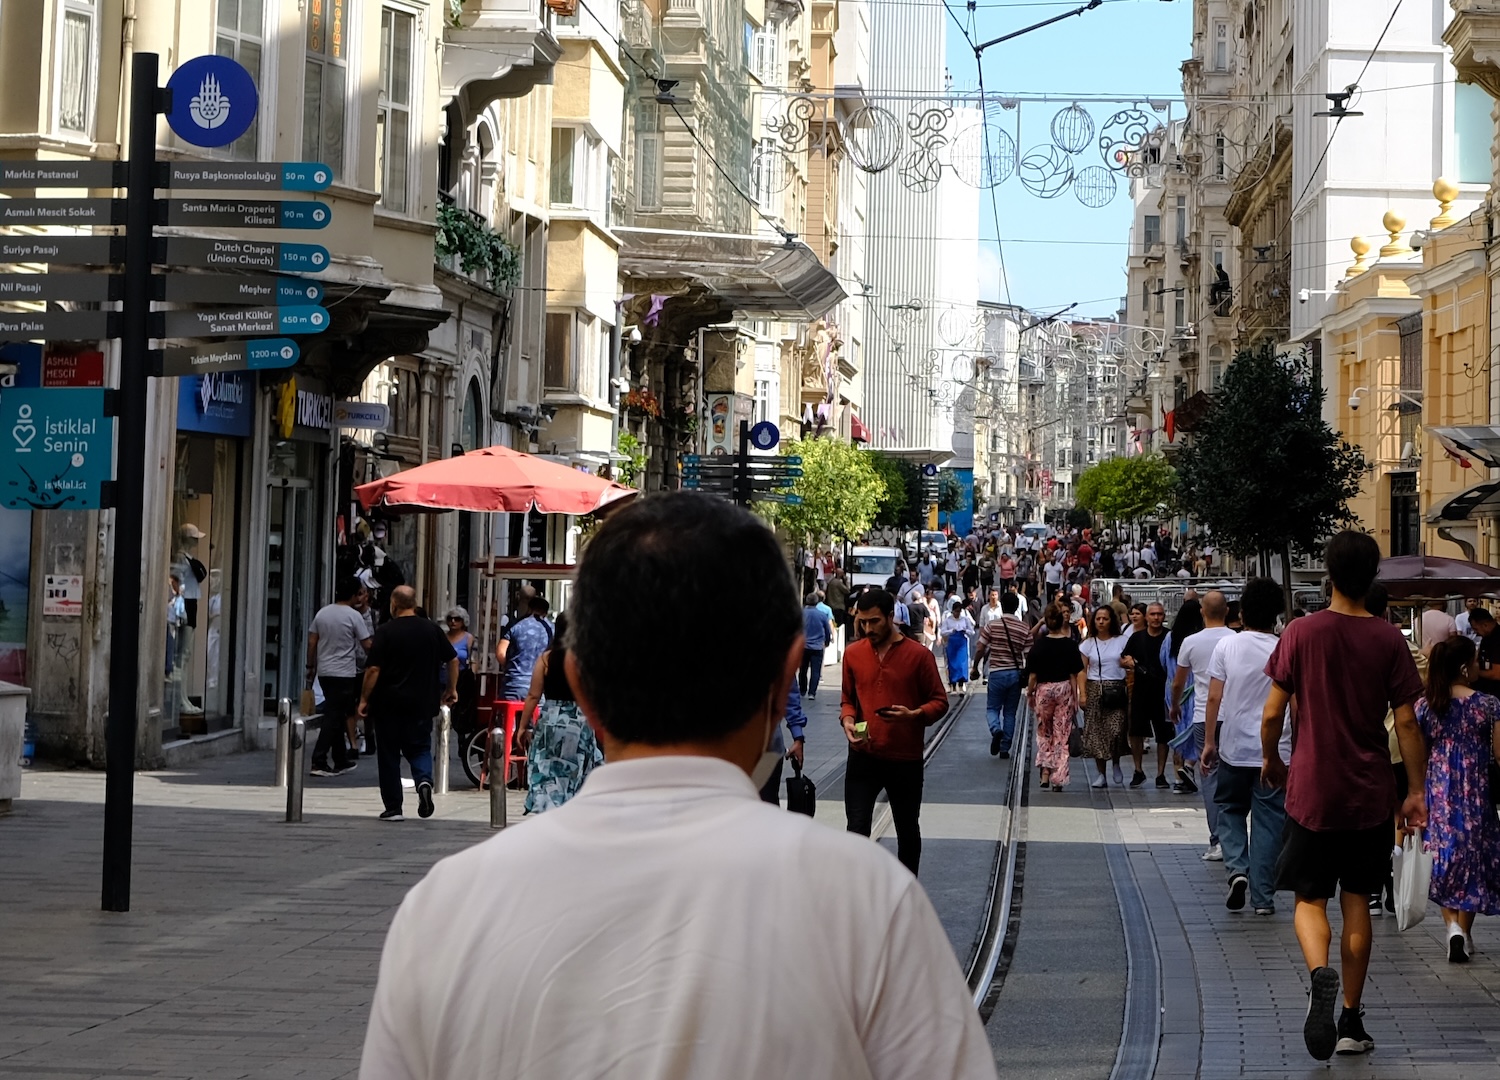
x=392 y=815
x=1239 y=885
x=995 y=743
x=1161 y=782
x=1353 y=1038
x=1458 y=952
x=1319 y=1031
x=322 y=770
x=1376 y=910
x=1185 y=780
x=348 y=766
x=424 y=799
x=1138 y=779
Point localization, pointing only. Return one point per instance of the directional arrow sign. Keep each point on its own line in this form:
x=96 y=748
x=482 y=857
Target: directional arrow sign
x=234 y=288
x=73 y=174
x=79 y=250
x=58 y=448
x=240 y=321
x=765 y=496
x=244 y=213
x=244 y=255
x=61 y=286
x=230 y=356
x=245 y=176
x=57 y=326
x=62 y=212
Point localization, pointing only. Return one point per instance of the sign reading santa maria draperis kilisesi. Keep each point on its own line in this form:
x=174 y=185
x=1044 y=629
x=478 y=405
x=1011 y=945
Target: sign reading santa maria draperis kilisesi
x=85 y=448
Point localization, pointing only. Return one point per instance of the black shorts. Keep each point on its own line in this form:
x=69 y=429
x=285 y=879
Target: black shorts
x=1315 y=865
x=1148 y=713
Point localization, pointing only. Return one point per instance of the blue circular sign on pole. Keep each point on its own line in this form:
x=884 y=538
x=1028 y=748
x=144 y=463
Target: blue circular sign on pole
x=929 y=470
x=213 y=101
x=764 y=435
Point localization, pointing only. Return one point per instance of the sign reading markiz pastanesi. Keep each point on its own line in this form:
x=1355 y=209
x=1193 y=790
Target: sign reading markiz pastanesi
x=59 y=449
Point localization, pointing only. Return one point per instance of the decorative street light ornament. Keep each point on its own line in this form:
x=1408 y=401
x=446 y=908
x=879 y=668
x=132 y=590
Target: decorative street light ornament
x=1046 y=172
x=1073 y=129
x=1095 y=186
x=1122 y=135
x=983 y=162
x=874 y=139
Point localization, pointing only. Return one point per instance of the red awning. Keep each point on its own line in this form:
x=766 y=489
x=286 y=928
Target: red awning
x=857 y=430
x=496 y=478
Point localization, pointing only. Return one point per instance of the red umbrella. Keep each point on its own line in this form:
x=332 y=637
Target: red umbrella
x=1414 y=577
x=493 y=479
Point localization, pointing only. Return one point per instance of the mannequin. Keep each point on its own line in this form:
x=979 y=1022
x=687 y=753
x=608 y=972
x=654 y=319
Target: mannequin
x=190 y=572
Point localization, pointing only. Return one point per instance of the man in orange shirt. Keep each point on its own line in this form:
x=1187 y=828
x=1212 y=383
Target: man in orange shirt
x=892 y=693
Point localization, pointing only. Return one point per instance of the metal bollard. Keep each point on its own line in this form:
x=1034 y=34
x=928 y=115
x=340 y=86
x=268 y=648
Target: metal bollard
x=283 y=733
x=440 y=766
x=497 y=778
x=296 y=769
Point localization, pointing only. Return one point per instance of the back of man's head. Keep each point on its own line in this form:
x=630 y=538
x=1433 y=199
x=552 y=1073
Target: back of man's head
x=538 y=605
x=1215 y=607
x=347 y=589
x=681 y=552
x=403 y=598
x=1352 y=559
x=1009 y=603
x=1377 y=599
x=1261 y=604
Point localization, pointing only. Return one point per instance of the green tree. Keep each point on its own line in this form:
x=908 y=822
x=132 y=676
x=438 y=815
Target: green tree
x=901 y=505
x=1080 y=518
x=1262 y=469
x=1127 y=488
x=839 y=487
x=950 y=492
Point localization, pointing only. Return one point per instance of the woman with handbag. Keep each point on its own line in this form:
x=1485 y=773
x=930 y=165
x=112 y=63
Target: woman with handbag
x=1107 y=698
x=1463 y=833
x=1055 y=689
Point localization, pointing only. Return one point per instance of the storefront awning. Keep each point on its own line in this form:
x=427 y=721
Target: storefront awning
x=1481 y=500
x=1480 y=443
x=756 y=276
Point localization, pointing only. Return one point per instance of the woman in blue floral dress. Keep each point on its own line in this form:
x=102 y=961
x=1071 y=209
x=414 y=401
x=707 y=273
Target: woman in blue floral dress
x=561 y=749
x=1463 y=832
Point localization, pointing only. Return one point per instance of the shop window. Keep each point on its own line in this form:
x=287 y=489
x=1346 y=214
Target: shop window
x=324 y=84
x=557 y=370
x=393 y=131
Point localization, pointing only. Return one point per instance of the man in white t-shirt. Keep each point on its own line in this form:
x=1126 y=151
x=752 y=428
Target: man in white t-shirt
x=1252 y=814
x=1437 y=625
x=1462 y=625
x=1192 y=661
x=674 y=894
x=1053 y=574
x=1148 y=558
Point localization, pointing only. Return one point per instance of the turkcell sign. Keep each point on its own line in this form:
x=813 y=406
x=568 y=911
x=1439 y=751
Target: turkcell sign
x=57 y=326
x=361 y=415
x=240 y=321
x=262 y=354
x=245 y=213
x=232 y=288
x=70 y=174
x=246 y=176
x=58 y=449
x=75 y=250
x=244 y=255
x=62 y=212
x=98 y=287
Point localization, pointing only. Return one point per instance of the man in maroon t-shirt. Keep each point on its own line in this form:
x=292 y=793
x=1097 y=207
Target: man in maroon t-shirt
x=892 y=688
x=1346 y=669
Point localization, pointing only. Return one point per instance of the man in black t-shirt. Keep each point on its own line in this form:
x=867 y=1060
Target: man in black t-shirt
x=401 y=694
x=1148 y=696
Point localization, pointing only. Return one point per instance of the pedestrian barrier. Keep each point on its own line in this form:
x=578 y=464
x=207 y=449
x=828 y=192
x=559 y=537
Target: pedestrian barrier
x=296 y=768
x=444 y=733
x=499 y=759
x=283 y=733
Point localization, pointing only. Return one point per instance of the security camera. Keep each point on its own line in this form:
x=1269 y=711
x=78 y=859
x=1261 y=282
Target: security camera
x=1353 y=402
x=1303 y=295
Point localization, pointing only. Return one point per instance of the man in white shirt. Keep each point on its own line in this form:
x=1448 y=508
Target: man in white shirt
x=1148 y=558
x=1052 y=573
x=1437 y=625
x=671 y=896
x=1462 y=625
x=1252 y=814
x=1192 y=660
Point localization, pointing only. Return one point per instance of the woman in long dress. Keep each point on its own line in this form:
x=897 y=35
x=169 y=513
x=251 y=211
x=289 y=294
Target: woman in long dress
x=1463 y=832
x=1107 y=698
x=561 y=749
x=956 y=627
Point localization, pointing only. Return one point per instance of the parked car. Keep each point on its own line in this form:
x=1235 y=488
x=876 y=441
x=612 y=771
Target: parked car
x=872 y=565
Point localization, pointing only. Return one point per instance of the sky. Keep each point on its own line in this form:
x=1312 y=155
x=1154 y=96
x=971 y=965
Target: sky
x=1058 y=251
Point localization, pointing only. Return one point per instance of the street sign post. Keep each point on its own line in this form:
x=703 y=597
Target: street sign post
x=96 y=287
x=245 y=213
x=243 y=255
x=58 y=448
x=245 y=175
x=258 y=355
x=237 y=322
x=54 y=174
x=57 y=325
x=235 y=289
x=62 y=212
x=77 y=250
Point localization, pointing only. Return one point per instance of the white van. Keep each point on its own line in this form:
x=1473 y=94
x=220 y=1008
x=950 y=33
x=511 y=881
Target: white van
x=937 y=541
x=872 y=566
x=1038 y=532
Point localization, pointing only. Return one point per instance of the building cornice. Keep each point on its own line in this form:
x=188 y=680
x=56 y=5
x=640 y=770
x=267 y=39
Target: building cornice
x=1458 y=268
x=1367 y=309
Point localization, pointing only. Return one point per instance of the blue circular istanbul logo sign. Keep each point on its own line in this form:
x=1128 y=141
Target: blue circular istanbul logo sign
x=213 y=101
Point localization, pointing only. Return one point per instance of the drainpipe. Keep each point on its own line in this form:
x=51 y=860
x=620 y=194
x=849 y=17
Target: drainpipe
x=424 y=419
x=614 y=390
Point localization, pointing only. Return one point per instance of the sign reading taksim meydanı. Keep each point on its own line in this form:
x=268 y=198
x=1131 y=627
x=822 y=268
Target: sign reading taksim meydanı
x=213 y=101
x=259 y=354
x=59 y=449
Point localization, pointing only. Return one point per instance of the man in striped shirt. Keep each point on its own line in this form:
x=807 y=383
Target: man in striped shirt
x=1004 y=642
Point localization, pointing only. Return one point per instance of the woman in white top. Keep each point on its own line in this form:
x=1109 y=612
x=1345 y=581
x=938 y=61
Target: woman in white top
x=954 y=633
x=1107 y=701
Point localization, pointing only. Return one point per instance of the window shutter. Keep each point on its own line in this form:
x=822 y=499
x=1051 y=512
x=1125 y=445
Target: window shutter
x=648 y=172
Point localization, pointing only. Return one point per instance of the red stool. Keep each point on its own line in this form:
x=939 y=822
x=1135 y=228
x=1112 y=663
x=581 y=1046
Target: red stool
x=506 y=714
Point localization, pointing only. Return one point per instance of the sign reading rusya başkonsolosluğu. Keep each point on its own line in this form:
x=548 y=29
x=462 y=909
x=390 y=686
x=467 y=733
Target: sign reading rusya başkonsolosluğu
x=59 y=449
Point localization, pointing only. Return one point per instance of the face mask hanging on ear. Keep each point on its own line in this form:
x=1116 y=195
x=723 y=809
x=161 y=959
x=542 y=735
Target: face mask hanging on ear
x=767 y=763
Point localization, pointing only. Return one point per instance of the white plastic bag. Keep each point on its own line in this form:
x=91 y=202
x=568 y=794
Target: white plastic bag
x=1413 y=880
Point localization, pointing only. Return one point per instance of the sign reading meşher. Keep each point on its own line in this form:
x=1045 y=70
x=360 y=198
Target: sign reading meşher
x=246 y=175
x=245 y=213
x=236 y=322
x=260 y=354
x=59 y=449
x=233 y=288
x=57 y=326
x=244 y=255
